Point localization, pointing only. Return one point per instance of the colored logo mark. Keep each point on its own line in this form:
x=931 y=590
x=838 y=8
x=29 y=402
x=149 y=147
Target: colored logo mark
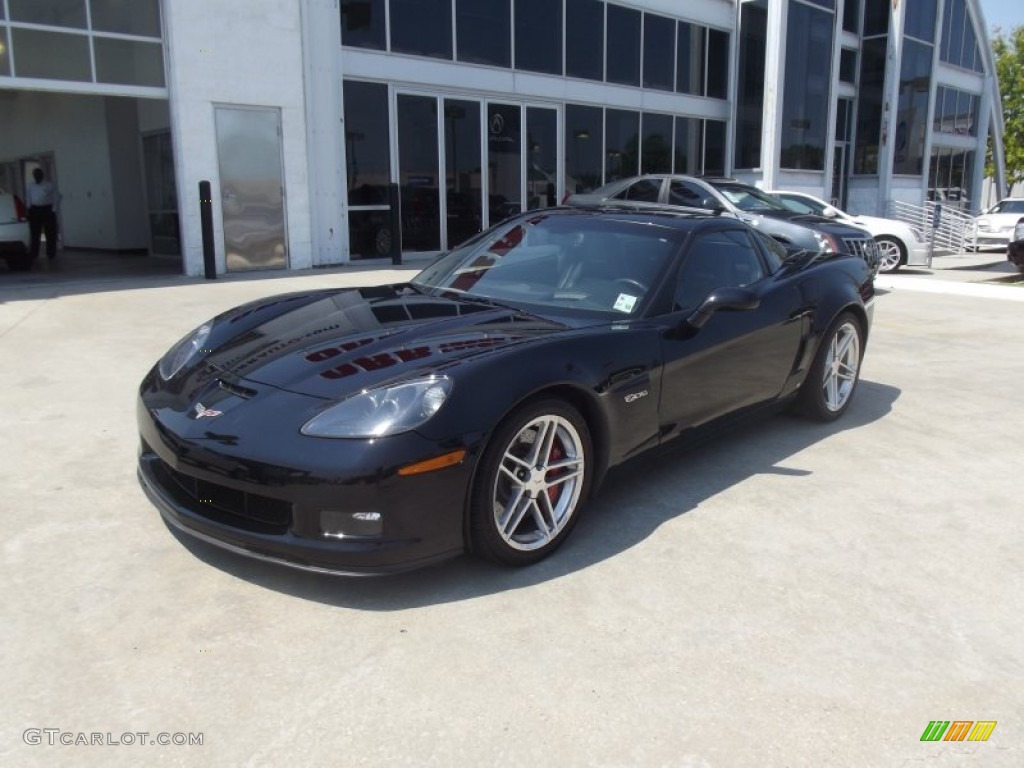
x=958 y=730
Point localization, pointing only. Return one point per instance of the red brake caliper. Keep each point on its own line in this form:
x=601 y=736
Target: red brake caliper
x=556 y=454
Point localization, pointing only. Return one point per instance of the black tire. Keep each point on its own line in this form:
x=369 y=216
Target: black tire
x=893 y=247
x=19 y=261
x=829 y=387
x=382 y=241
x=508 y=508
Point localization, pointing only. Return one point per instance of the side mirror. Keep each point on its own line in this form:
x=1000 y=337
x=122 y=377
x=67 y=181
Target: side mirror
x=712 y=205
x=736 y=299
x=829 y=212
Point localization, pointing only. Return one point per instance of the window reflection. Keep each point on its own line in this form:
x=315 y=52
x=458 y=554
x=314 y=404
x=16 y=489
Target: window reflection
x=622 y=144
x=806 y=100
x=483 y=30
x=584 y=24
x=623 y=44
x=584 y=142
x=362 y=24
x=539 y=35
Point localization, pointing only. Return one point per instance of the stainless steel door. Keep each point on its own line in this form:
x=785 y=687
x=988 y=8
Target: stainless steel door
x=251 y=188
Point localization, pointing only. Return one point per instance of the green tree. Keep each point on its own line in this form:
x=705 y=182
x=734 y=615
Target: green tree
x=1009 y=56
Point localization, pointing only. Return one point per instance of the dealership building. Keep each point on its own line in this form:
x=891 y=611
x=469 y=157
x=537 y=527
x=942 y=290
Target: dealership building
x=334 y=130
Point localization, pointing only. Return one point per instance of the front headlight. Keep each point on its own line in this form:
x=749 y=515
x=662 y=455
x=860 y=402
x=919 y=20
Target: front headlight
x=382 y=411
x=826 y=243
x=179 y=355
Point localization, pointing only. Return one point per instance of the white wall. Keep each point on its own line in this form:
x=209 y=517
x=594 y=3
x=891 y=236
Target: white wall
x=235 y=54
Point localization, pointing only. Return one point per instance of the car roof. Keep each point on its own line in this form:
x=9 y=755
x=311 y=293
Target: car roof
x=673 y=216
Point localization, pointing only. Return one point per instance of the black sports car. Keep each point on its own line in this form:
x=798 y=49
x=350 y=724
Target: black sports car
x=477 y=406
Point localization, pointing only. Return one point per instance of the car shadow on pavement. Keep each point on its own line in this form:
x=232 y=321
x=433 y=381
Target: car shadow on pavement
x=635 y=499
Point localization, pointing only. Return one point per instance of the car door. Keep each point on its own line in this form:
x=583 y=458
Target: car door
x=739 y=357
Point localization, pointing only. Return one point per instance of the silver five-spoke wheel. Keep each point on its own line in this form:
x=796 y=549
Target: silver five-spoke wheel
x=842 y=361
x=534 y=477
x=538 y=483
x=832 y=379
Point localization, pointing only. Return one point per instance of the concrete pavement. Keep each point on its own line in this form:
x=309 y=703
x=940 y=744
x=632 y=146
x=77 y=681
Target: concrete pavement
x=791 y=595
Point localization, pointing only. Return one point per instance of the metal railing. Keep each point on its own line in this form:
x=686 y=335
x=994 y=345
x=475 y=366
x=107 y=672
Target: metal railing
x=955 y=232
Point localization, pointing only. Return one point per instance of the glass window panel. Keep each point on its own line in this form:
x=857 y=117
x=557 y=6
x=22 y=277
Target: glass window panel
x=750 y=84
x=584 y=35
x=949 y=107
x=656 y=152
x=367 y=150
x=690 y=58
x=851 y=15
x=622 y=144
x=940 y=92
x=963 y=107
x=5 y=53
x=970 y=45
x=623 y=45
x=422 y=27
x=686 y=148
x=644 y=190
x=53 y=55
x=129 y=17
x=975 y=109
x=542 y=163
x=956 y=32
x=869 y=109
x=947 y=23
x=848 y=65
x=504 y=161
x=876 y=17
x=920 y=20
x=718 y=64
x=463 y=178
x=483 y=29
x=362 y=24
x=539 y=36
x=805 y=106
x=830 y=4
x=129 y=62
x=714 y=147
x=59 y=13
x=659 y=52
x=912 y=108
x=417 y=173
x=584 y=142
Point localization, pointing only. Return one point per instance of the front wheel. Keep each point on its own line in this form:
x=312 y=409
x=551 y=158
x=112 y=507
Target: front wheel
x=891 y=254
x=534 y=477
x=829 y=387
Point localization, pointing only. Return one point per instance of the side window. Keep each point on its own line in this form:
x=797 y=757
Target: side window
x=687 y=193
x=645 y=190
x=717 y=260
x=775 y=253
x=795 y=204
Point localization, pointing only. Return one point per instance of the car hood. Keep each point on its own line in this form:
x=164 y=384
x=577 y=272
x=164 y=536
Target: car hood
x=344 y=341
x=813 y=221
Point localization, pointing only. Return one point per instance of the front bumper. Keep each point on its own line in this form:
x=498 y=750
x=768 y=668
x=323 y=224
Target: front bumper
x=214 y=488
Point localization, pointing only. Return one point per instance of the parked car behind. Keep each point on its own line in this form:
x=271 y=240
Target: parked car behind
x=14 y=234
x=728 y=197
x=995 y=226
x=898 y=243
x=1015 y=250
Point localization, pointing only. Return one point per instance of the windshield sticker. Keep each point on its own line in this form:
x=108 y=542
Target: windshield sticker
x=624 y=303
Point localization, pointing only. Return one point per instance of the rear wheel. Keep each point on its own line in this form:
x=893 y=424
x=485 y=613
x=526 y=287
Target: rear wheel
x=828 y=390
x=534 y=478
x=891 y=254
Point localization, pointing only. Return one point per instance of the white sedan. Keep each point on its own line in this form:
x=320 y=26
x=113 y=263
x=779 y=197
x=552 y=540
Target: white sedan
x=898 y=243
x=995 y=226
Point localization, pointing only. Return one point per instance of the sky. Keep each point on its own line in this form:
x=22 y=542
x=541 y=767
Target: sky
x=1003 y=13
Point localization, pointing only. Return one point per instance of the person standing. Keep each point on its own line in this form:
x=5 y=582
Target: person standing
x=42 y=214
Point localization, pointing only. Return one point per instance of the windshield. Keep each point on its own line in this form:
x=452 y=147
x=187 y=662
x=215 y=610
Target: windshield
x=577 y=261
x=1008 y=206
x=750 y=198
